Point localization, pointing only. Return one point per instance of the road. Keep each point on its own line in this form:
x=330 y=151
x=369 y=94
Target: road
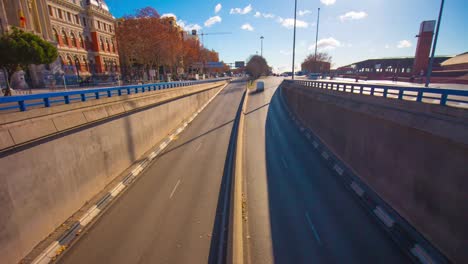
x=168 y=215
x=297 y=209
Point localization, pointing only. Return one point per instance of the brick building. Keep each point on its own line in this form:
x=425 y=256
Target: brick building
x=85 y=35
x=83 y=30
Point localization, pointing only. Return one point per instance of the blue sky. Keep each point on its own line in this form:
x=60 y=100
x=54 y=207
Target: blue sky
x=350 y=30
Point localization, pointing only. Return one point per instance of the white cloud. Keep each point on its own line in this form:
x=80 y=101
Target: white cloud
x=353 y=15
x=404 y=44
x=218 y=8
x=169 y=15
x=387 y=46
x=265 y=15
x=328 y=2
x=247 y=27
x=289 y=23
x=326 y=44
x=304 y=12
x=241 y=11
x=188 y=27
x=285 y=52
x=212 y=20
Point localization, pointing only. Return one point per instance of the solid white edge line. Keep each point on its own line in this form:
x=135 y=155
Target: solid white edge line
x=48 y=254
x=383 y=216
x=421 y=254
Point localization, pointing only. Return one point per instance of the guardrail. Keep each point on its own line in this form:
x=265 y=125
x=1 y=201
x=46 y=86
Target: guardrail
x=22 y=102
x=451 y=97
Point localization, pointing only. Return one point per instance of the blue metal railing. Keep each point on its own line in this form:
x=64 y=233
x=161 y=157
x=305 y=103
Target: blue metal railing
x=23 y=102
x=434 y=95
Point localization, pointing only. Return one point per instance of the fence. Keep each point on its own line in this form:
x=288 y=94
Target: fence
x=23 y=102
x=451 y=97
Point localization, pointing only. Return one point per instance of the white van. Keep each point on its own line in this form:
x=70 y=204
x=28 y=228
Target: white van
x=260 y=86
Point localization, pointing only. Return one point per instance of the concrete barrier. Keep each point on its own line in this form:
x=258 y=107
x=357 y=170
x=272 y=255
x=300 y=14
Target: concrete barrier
x=54 y=160
x=414 y=155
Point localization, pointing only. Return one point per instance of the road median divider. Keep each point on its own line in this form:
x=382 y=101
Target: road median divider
x=238 y=212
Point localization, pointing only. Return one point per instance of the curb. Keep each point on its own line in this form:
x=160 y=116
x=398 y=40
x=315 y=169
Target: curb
x=57 y=247
x=406 y=237
x=238 y=229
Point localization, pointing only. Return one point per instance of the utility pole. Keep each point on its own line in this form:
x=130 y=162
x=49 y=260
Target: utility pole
x=261 y=39
x=317 y=33
x=294 y=38
x=431 y=63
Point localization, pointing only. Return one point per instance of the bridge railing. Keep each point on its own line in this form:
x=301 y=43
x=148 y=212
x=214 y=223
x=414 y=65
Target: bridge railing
x=23 y=102
x=451 y=97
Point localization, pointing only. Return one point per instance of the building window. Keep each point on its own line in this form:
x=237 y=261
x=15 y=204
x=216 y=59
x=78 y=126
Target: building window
x=64 y=37
x=56 y=36
x=99 y=24
x=81 y=41
x=69 y=17
x=113 y=46
x=51 y=11
x=77 y=64
x=60 y=13
x=84 y=21
x=69 y=61
x=73 y=40
x=77 y=19
x=110 y=28
x=102 y=44
x=107 y=45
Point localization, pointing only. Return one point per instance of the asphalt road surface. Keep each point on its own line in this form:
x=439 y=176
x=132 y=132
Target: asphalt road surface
x=298 y=211
x=168 y=215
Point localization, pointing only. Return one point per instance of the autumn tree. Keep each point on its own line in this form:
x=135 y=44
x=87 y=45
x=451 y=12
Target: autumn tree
x=148 y=41
x=257 y=66
x=317 y=64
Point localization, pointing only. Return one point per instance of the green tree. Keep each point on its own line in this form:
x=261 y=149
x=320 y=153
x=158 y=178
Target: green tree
x=19 y=49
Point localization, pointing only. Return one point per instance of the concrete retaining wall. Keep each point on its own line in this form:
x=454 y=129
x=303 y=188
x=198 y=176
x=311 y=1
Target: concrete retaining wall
x=54 y=160
x=414 y=155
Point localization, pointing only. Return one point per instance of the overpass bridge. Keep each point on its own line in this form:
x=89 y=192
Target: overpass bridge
x=198 y=172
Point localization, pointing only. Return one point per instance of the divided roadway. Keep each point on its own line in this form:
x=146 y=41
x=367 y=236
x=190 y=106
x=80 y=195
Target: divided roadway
x=297 y=210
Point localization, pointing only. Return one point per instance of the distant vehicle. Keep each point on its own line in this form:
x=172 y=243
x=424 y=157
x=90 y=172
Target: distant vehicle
x=260 y=86
x=313 y=76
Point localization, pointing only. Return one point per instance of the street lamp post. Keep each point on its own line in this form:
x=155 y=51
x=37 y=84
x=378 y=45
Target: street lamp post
x=431 y=63
x=294 y=38
x=317 y=33
x=261 y=39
